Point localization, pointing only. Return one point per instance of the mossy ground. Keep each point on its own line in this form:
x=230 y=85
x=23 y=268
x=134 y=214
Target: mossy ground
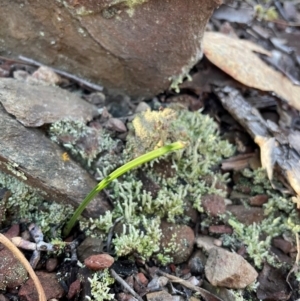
x=186 y=176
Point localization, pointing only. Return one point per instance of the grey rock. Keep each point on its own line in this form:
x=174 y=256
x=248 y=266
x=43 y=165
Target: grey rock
x=37 y=161
x=90 y=246
x=35 y=104
x=227 y=269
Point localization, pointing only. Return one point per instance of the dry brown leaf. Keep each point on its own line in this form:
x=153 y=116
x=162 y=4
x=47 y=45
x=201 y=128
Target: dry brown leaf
x=236 y=58
x=267 y=157
x=293 y=175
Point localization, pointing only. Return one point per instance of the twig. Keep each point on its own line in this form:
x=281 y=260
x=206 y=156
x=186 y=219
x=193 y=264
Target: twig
x=203 y=293
x=82 y=81
x=8 y=244
x=111 y=233
x=295 y=267
x=298 y=249
x=124 y=284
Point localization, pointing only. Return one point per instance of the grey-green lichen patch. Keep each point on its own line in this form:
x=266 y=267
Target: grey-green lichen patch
x=184 y=183
x=13 y=168
x=27 y=204
x=178 y=80
x=90 y=146
x=281 y=219
x=100 y=286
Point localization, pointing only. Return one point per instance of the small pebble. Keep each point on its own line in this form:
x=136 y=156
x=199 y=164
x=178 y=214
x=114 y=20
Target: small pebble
x=142 y=279
x=74 y=289
x=99 y=262
x=141 y=107
x=196 y=266
x=193 y=280
x=51 y=264
x=217 y=242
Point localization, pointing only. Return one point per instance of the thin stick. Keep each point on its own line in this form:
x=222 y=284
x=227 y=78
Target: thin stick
x=18 y=254
x=298 y=249
x=82 y=81
x=203 y=293
x=124 y=284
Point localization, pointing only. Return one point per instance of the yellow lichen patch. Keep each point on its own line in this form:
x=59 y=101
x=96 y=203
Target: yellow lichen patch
x=129 y=3
x=152 y=128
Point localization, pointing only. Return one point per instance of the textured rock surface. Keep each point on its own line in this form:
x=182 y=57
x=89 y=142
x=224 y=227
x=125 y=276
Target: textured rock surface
x=228 y=269
x=35 y=104
x=99 y=262
x=49 y=282
x=12 y=272
x=129 y=50
x=179 y=239
x=213 y=205
x=247 y=216
x=90 y=246
x=39 y=164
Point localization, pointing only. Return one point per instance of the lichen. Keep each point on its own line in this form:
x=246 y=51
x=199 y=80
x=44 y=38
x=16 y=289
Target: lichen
x=133 y=239
x=281 y=219
x=178 y=80
x=85 y=144
x=28 y=205
x=183 y=180
x=100 y=286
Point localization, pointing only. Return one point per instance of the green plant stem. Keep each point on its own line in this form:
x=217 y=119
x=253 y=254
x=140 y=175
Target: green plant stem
x=117 y=173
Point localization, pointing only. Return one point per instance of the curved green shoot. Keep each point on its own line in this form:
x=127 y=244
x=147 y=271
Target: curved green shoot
x=117 y=173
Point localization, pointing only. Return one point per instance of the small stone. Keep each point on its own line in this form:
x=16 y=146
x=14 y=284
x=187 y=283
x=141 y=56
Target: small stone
x=213 y=205
x=194 y=281
x=158 y=283
x=273 y=284
x=99 y=262
x=51 y=264
x=196 y=266
x=228 y=269
x=47 y=75
x=217 y=242
x=205 y=242
x=258 y=200
x=283 y=245
x=115 y=124
x=13 y=231
x=35 y=104
x=125 y=297
x=159 y=296
x=179 y=238
x=220 y=229
x=74 y=289
x=52 y=288
x=140 y=284
x=247 y=216
x=141 y=278
x=90 y=246
x=20 y=75
x=141 y=107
